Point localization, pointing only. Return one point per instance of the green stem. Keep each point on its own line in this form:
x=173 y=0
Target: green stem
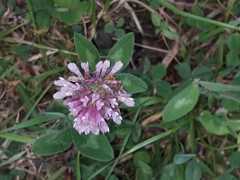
x=123 y=147
x=136 y=148
x=36 y=102
x=149 y=141
x=39 y=46
x=30 y=8
x=78 y=172
x=175 y=10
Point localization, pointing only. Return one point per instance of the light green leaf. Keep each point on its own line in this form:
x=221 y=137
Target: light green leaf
x=182 y=158
x=132 y=84
x=193 y=171
x=52 y=143
x=122 y=50
x=86 y=50
x=96 y=147
x=16 y=137
x=182 y=103
x=218 y=87
x=213 y=124
x=39 y=119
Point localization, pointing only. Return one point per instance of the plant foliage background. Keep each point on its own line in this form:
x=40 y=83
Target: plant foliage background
x=181 y=63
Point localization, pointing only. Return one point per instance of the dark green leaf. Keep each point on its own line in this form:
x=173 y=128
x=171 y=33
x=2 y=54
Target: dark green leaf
x=71 y=11
x=232 y=59
x=158 y=72
x=132 y=84
x=93 y=146
x=144 y=171
x=86 y=50
x=184 y=70
x=52 y=143
x=122 y=50
x=235 y=159
x=227 y=176
x=233 y=42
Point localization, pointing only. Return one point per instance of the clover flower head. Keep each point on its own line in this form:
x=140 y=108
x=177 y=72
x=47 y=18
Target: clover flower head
x=93 y=97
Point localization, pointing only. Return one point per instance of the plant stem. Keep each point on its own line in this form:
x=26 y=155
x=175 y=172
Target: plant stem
x=123 y=147
x=78 y=172
x=179 y=12
x=175 y=10
x=40 y=46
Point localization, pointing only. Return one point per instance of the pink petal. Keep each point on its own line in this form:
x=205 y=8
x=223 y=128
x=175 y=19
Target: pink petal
x=74 y=69
x=127 y=100
x=85 y=67
x=117 y=66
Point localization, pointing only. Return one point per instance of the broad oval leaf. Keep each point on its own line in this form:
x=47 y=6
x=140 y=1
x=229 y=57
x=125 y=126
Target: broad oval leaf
x=96 y=147
x=86 y=50
x=213 y=124
x=132 y=84
x=182 y=103
x=193 y=171
x=52 y=143
x=122 y=50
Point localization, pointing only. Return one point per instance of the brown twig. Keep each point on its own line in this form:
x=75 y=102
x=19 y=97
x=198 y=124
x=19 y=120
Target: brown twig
x=151 y=119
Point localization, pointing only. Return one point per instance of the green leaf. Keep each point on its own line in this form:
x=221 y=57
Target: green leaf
x=213 y=124
x=182 y=103
x=158 y=72
x=141 y=156
x=39 y=119
x=233 y=42
x=71 y=11
x=163 y=27
x=218 y=87
x=52 y=143
x=182 y=158
x=147 y=101
x=96 y=147
x=173 y=172
x=227 y=176
x=132 y=84
x=232 y=59
x=184 y=70
x=122 y=50
x=193 y=171
x=235 y=159
x=16 y=137
x=40 y=12
x=143 y=171
x=86 y=50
